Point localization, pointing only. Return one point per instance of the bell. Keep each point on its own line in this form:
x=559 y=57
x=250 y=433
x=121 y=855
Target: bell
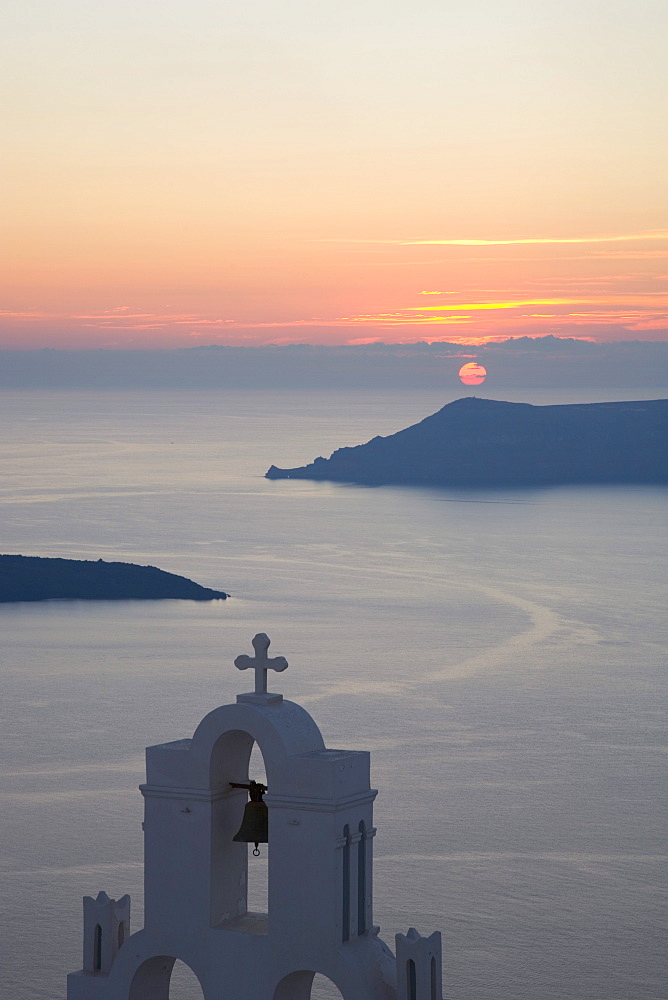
x=254 y=825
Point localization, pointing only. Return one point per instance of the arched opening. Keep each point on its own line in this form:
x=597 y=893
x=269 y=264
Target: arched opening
x=345 y=872
x=152 y=979
x=433 y=979
x=239 y=881
x=165 y=978
x=121 y=933
x=258 y=867
x=324 y=989
x=361 y=880
x=184 y=984
x=412 y=980
x=305 y=985
x=97 y=948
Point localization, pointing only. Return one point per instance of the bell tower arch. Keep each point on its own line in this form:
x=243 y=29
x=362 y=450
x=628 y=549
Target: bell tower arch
x=320 y=831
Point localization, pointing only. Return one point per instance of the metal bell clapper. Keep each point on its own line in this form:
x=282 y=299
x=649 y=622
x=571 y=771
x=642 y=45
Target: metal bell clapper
x=254 y=825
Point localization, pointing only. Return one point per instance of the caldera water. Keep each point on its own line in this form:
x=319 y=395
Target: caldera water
x=501 y=654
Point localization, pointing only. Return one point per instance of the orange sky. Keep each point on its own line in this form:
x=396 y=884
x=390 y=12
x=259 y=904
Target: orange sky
x=209 y=173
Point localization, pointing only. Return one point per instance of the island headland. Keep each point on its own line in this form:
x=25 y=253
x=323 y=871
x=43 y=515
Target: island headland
x=33 y=578
x=486 y=443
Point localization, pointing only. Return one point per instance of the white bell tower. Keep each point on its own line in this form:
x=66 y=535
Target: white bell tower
x=320 y=903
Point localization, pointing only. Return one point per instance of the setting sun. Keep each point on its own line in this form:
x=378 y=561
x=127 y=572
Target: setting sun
x=472 y=373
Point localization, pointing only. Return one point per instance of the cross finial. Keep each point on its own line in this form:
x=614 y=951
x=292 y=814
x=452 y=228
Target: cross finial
x=261 y=663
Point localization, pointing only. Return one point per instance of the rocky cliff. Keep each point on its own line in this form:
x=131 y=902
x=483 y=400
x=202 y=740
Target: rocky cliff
x=487 y=443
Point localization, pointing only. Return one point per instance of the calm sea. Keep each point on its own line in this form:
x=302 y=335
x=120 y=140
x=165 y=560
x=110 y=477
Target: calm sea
x=501 y=655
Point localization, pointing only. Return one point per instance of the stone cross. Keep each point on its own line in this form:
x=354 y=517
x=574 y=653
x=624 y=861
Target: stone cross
x=261 y=662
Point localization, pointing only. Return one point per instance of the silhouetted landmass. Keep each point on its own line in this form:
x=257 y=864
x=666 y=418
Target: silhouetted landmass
x=487 y=443
x=32 y=578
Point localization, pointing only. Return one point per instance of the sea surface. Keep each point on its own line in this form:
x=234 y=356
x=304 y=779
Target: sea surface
x=501 y=654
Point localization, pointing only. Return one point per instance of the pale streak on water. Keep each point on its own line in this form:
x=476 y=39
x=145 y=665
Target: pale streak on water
x=501 y=655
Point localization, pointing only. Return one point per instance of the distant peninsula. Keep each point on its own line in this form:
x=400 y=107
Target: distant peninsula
x=32 y=578
x=488 y=443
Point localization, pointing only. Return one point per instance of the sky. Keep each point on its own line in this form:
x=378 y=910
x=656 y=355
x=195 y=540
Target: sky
x=191 y=173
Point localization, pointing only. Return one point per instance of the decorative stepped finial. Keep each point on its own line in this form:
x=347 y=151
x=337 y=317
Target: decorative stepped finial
x=261 y=663
x=106 y=926
x=419 y=973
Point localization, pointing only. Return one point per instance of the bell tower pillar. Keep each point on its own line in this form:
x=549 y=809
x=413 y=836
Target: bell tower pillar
x=330 y=794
